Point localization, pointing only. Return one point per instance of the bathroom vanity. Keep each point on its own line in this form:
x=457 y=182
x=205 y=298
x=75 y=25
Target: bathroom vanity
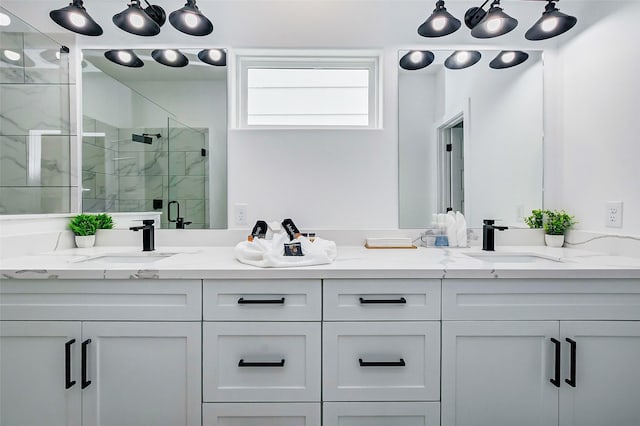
x=380 y=337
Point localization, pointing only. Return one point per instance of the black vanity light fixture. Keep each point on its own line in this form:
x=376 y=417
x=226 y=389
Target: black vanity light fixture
x=136 y=20
x=125 y=58
x=75 y=18
x=217 y=57
x=461 y=59
x=508 y=59
x=552 y=23
x=494 y=22
x=170 y=57
x=440 y=23
x=416 y=59
x=190 y=20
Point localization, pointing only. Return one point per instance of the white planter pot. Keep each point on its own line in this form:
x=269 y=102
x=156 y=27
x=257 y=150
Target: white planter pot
x=554 y=240
x=85 y=241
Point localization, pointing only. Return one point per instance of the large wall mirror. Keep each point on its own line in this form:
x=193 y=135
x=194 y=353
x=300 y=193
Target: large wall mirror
x=154 y=138
x=470 y=140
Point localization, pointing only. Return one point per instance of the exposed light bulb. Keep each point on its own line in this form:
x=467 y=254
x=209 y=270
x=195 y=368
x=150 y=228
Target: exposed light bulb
x=462 y=57
x=125 y=57
x=416 y=57
x=439 y=23
x=494 y=25
x=5 y=20
x=549 y=24
x=136 y=20
x=191 y=20
x=508 y=57
x=58 y=55
x=215 y=55
x=170 y=55
x=77 y=20
x=11 y=55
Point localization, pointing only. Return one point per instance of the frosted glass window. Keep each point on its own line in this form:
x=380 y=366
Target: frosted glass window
x=308 y=97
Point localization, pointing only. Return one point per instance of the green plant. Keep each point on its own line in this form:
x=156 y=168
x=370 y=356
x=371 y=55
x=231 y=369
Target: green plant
x=557 y=222
x=104 y=221
x=83 y=224
x=536 y=220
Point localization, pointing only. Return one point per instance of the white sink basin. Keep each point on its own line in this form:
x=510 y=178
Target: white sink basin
x=138 y=257
x=512 y=258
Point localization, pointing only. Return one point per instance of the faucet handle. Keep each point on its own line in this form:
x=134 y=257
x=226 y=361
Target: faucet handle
x=488 y=221
x=148 y=222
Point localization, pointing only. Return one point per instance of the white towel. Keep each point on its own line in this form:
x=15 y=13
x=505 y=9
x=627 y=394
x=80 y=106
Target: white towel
x=269 y=253
x=452 y=234
x=461 y=230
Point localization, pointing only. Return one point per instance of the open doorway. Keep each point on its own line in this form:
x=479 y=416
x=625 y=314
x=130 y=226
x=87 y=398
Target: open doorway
x=451 y=165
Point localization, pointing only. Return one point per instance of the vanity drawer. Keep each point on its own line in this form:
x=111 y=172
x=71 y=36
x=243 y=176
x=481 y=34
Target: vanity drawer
x=253 y=414
x=381 y=299
x=262 y=300
x=381 y=414
x=120 y=300
x=541 y=299
x=251 y=361
x=381 y=361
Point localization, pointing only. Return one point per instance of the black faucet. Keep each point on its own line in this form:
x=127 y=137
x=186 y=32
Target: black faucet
x=148 y=243
x=488 y=237
x=179 y=221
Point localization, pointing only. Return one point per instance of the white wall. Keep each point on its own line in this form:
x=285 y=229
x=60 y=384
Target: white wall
x=107 y=100
x=593 y=111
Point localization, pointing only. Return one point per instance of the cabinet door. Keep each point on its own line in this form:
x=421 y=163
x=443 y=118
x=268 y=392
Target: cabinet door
x=497 y=373
x=142 y=374
x=35 y=387
x=607 y=374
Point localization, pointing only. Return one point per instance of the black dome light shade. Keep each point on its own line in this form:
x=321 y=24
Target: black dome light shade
x=508 y=59
x=126 y=58
x=75 y=18
x=170 y=57
x=495 y=23
x=440 y=23
x=461 y=59
x=143 y=22
x=416 y=59
x=552 y=23
x=217 y=57
x=190 y=20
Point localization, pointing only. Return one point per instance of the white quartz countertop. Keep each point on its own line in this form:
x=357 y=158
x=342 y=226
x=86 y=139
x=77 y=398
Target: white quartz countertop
x=352 y=262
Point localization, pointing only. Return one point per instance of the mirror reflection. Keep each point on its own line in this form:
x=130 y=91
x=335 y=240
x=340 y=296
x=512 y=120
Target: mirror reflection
x=154 y=139
x=470 y=140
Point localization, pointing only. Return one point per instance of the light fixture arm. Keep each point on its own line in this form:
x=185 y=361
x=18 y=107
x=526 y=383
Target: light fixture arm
x=474 y=15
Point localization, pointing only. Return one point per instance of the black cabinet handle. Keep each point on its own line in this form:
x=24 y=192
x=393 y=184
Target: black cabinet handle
x=364 y=301
x=85 y=382
x=556 y=379
x=243 y=301
x=68 y=383
x=572 y=380
x=242 y=363
x=400 y=363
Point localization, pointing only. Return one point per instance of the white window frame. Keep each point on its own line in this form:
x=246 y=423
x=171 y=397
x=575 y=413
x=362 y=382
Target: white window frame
x=369 y=60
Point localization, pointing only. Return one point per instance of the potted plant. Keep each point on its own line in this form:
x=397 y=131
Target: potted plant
x=536 y=220
x=556 y=223
x=84 y=227
x=104 y=221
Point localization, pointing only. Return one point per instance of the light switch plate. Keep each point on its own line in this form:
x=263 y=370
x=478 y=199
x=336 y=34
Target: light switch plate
x=614 y=214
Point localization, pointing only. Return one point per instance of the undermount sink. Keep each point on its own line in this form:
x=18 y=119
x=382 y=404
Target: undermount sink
x=138 y=257
x=512 y=258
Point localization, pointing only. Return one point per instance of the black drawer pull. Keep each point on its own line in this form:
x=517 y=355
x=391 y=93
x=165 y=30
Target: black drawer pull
x=364 y=301
x=400 y=363
x=68 y=383
x=85 y=382
x=572 y=380
x=243 y=301
x=556 y=379
x=243 y=363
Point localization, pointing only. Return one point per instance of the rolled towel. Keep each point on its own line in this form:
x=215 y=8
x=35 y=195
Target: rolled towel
x=452 y=233
x=461 y=230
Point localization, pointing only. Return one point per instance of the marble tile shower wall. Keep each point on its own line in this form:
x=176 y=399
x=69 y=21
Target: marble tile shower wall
x=99 y=166
x=36 y=127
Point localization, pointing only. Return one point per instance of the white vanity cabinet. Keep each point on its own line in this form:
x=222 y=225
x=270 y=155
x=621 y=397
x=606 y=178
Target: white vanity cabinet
x=541 y=352
x=261 y=352
x=100 y=353
x=381 y=342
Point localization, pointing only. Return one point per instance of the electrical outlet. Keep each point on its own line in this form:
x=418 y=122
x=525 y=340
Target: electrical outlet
x=614 y=214
x=241 y=213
